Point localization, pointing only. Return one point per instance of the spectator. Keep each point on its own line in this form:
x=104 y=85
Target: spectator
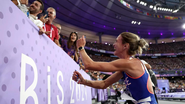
x=152 y=76
x=35 y=8
x=51 y=30
x=163 y=90
x=69 y=46
x=118 y=94
x=59 y=28
x=22 y=5
x=101 y=76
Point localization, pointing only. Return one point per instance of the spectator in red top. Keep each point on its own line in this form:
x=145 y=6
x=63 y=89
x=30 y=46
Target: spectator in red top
x=51 y=30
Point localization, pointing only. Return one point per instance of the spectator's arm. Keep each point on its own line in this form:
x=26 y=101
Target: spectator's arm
x=24 y=2
x=56 y=39
x=148 y=66
x=57 y=36
x=57 y=42
x=16 y=2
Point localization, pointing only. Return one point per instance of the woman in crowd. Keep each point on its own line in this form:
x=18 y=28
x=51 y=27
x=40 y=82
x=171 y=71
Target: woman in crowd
x=137 y=80
x=69 y=46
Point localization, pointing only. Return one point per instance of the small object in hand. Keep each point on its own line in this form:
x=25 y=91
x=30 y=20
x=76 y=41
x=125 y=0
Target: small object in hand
x=78 y=79
x=46 y=13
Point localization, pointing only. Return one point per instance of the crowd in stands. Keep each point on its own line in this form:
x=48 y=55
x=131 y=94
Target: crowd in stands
x=46 y=26
x=158 y=64
x=174 y=47
x=107 y=47
x=177 y=85
x=166 y=63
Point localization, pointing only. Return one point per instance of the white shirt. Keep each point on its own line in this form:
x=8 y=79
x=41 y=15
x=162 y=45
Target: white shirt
x=144 y=62
x=33 y=18
x=22 y=7
x=36 y=21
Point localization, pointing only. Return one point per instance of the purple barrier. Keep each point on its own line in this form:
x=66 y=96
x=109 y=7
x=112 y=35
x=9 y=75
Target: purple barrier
x=102 y=94
x=33 y=69
x=163 y=83
x=94 y=92
x=172 y=95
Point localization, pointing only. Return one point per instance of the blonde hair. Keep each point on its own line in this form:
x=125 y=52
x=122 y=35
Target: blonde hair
x=136 y=44
x=53 y=10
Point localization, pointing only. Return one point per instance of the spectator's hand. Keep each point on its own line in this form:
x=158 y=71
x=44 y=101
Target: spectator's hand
x=73 y=57
x=41 y=31
x=47 y=32
x=81 y=42
x=76 y=76
x=43 y=19
x=24 y=2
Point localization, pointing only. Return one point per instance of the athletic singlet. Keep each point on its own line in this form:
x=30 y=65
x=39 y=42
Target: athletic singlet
x=137 y=88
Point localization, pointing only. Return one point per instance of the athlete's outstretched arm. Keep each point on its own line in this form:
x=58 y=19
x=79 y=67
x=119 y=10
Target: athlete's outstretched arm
x=98 y=84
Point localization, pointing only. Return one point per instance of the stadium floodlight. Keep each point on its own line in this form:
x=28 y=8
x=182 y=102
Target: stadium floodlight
x=183 y=26
x=175 y=11
x=139 y=23
x=145 y=4
x=151 y=6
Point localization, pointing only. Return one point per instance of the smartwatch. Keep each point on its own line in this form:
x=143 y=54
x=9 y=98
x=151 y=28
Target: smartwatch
x=80 y=48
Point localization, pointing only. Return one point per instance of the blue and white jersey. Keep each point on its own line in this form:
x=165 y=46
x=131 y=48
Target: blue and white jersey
x=136 y=87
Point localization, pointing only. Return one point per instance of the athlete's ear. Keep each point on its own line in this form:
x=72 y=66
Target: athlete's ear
x=126 y=45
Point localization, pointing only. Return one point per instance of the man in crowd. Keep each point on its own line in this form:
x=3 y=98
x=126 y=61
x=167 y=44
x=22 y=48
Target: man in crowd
x=35 y=8
x=51 y=30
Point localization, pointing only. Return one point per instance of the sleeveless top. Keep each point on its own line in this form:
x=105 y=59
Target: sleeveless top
x=137 y=88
